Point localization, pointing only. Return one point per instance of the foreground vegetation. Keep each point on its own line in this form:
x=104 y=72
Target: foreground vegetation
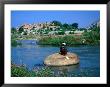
x=21 y=71
x=18 y=71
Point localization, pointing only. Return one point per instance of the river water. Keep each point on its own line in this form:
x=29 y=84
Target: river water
x=32 y=55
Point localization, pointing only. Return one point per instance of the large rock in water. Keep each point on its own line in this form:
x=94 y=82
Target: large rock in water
x=57 y=59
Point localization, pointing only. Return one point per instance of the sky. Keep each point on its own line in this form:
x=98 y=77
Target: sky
x=83 y=18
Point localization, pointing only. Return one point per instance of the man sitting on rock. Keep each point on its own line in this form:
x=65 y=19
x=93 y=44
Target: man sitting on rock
x=63 y=50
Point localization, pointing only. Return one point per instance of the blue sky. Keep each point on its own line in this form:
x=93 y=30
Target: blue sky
x=83 y=18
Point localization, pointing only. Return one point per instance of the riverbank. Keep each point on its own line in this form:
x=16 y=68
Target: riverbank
x=70 y=40
x=87 y=38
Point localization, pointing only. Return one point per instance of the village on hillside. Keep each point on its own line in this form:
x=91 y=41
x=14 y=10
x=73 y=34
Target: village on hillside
x=54 y=28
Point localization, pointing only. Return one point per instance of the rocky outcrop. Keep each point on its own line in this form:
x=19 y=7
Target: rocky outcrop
x=57 y=59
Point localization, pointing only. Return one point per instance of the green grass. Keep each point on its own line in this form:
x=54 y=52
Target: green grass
x=17 y=71
x=92 y=37
x=20 y=71
x=69 y=40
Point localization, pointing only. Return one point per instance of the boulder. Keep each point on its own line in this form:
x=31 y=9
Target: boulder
x=57 y=59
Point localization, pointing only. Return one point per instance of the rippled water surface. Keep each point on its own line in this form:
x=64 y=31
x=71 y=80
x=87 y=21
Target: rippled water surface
x=33 y=55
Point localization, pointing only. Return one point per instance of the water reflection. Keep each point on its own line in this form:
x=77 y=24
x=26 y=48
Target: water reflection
x=59 y=71
x=64 y=70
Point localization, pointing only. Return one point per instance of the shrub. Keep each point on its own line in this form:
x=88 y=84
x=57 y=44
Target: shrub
x=92 y=37
x=14 y=43
x=69 y=40
x=61 y=32
x=21 y=72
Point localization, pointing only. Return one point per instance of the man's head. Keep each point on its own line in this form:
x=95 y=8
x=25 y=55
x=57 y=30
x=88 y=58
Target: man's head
x=64 y=44
x=63 y=50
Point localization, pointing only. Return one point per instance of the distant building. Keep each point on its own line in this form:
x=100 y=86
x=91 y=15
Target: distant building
x=54 y=27
x=77 y=32
x=27 y=26
x=51 y=33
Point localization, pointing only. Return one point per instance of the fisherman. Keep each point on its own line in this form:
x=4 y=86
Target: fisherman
x=63 y=49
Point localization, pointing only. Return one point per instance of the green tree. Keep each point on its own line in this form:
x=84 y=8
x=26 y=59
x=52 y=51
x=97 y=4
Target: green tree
x=75 y=25
x=57 y=23
x=92 y=37
x=13 y=30
x=61 y=32
x=66 y=25
x=21 y=29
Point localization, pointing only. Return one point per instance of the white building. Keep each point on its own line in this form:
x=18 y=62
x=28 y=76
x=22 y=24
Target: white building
x=78 y=32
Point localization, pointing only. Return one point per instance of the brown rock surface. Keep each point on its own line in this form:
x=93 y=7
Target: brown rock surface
x=57 y=59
